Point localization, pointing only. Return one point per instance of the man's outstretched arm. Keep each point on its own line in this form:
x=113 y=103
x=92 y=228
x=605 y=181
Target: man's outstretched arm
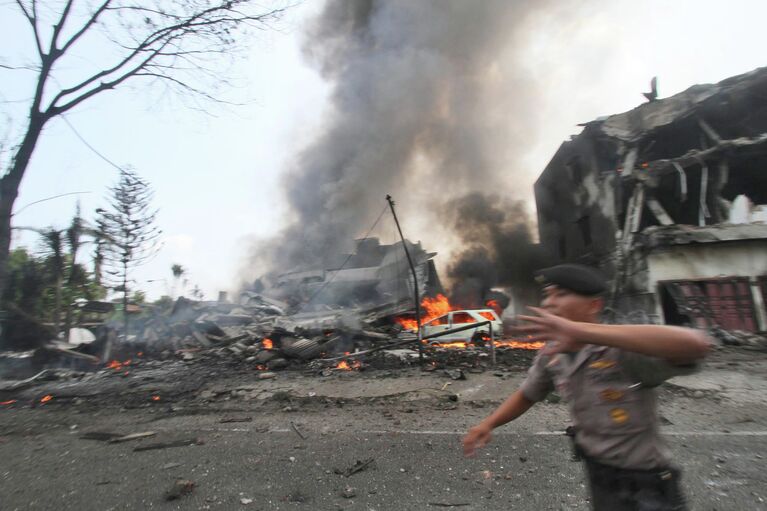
x=678 y=345
x=481 y=434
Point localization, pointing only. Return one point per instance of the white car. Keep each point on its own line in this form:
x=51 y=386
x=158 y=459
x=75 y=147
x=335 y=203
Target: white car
x=456 y=319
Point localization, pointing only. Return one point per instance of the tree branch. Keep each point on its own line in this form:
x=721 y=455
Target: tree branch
x=33 y=22
x=55 y=110
x=54 y=51
x=94 y=17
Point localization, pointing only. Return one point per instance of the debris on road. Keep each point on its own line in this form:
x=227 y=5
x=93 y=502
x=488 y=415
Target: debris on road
x=175 y=443
x=358 y=466
x=132 y=436
x=295 y=428
x=180 y=488
x=226 y=420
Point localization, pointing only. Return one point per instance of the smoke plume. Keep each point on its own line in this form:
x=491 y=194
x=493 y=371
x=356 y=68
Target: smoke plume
x=431 y=102
x=498 y=247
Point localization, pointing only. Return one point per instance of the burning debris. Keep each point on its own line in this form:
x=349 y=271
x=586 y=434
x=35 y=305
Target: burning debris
x=262 y=335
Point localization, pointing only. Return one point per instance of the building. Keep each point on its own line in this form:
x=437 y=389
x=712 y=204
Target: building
x=670 y=200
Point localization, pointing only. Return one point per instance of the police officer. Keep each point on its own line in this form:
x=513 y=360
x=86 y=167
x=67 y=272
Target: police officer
x=607 y=373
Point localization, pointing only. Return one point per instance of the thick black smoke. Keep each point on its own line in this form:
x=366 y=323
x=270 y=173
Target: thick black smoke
x=428 y=103
x=496 y=233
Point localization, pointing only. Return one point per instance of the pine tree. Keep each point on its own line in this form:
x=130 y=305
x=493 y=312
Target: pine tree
x=128 y=227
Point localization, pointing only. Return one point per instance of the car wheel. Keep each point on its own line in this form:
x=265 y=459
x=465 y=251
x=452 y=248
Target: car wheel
x=478 y=339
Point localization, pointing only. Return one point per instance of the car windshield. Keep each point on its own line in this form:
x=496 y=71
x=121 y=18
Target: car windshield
x=463 y=317
x=442 y=320
x=487 y=315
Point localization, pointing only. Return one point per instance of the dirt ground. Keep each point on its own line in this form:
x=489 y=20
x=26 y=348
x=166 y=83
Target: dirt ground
x=377 y=439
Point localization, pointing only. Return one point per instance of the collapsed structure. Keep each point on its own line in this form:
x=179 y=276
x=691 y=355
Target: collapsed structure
x=374 y=279
x=670 y=200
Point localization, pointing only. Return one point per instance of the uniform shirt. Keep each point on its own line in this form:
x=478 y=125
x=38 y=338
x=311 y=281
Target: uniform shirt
x=612 y=401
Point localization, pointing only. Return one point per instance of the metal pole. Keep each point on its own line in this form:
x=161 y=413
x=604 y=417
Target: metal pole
x=492 y=344
x=415 y=280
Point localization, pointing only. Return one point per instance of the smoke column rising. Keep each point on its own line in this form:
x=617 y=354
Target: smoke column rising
x=427 y=104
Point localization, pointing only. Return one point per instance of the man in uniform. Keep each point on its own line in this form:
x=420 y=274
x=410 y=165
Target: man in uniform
x=607 y=373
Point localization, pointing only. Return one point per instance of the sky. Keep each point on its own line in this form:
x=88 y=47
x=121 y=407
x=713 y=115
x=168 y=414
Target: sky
x=217 y=174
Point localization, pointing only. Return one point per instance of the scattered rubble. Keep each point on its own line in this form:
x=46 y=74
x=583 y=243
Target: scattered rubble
x=180 y=488
x=173 y=443
x=358 y=466
x=739 y=338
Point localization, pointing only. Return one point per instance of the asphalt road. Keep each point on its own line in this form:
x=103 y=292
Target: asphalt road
x=46 y=465
x=300 y=432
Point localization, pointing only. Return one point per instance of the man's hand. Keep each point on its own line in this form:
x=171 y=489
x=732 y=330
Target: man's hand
x=560 y=332
x=477 y=437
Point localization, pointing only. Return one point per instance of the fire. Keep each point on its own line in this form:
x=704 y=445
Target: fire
x=261 y=367
x=434 y=307
x=430 y=309
x=493 y=304
x=349 y=365
x=155 y=398
x=503 y=343
x=519 y=345
x=9 y=402
x=117 y=365
x=268 y=344
x=45 y=399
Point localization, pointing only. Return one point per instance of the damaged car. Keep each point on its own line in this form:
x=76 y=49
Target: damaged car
x=459 y=318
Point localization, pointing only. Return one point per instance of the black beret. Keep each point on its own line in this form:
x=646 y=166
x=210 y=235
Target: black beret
x=578 y=278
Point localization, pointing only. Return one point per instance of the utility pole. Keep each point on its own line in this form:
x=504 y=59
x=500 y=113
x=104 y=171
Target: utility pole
x=415 y=280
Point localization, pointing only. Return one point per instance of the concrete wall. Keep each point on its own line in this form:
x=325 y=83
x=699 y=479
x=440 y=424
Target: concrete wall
x=576 y=204
x=747 y=258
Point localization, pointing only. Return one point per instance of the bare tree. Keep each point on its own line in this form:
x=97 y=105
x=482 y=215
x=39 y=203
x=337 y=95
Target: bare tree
x=180 y=43
x=129 y=226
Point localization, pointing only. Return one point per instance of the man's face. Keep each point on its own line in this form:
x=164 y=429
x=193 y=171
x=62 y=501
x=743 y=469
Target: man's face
x=569 y=305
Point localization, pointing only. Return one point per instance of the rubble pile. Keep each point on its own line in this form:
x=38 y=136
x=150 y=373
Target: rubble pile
x=258 y=331
x=739 y=338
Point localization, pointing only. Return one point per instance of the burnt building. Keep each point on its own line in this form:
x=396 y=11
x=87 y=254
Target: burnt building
x=669 y=200
x=371 y=276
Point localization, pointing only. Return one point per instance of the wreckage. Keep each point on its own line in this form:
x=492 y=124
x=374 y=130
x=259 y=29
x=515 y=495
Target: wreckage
x=373 y=277
x=360 y=305
x=670 y=199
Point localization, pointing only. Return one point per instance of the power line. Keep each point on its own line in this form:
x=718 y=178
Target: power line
x=77 y=134
x=383 y=210
x=47 y=199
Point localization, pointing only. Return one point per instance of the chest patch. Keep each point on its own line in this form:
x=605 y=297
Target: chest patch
x=619 y=415
x=602 y=364
x=611 y=395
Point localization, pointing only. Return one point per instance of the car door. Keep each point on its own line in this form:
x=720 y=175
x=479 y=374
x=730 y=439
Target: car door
x=459 y=319
x=436 y=325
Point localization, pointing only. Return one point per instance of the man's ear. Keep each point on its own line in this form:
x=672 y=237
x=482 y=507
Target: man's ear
x=596 y=306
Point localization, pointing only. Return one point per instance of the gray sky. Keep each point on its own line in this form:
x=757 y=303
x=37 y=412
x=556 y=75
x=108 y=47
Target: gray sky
x=217 y=176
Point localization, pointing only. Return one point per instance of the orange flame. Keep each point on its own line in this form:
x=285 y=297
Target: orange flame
x=498 y=344
x=349 y=365
x=430 y=309
x=268 y=344
x=117 y=365
x=9 y=402
x=261 y=367
x=45 y=399
x=155 y=398
x=493 y=304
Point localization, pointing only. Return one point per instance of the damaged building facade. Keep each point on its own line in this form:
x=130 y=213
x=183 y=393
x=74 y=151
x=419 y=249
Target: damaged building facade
x=670 y=200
